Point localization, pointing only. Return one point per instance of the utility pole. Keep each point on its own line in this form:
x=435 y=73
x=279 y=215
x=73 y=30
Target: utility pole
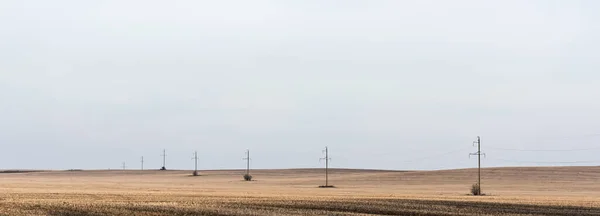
x=196 y=163
x=142 y=163
x=327 y=159
x=164 y=155
x=478 y=153
x=123 y=166
x=247 y=158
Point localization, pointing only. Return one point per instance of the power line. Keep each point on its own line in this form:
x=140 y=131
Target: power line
x=544 y=150
x=548 y=138
x=572 y=137
x=547 y=162
x=434 y=156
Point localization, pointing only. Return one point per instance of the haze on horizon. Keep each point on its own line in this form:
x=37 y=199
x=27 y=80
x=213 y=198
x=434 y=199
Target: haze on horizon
x=384 y=84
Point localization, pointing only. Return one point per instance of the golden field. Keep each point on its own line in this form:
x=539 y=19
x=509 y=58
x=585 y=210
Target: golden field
x=510 y=191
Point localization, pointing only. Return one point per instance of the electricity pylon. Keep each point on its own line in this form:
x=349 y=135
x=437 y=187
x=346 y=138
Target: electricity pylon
x=327 y=159
x=164 y=155
x=196 y=163
x=478 y=153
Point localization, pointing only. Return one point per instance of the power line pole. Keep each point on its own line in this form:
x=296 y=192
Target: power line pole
x=196 y=163
x=247 y=177
x=164 y=155
x=247 y=158
x=142 y=163
x=327 y=159
x=123 y=166
x=478 y=153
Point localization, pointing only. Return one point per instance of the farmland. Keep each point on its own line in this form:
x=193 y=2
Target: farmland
x=510 y=191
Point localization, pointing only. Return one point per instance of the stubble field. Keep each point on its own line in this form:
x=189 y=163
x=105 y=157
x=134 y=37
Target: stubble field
x=510 y=191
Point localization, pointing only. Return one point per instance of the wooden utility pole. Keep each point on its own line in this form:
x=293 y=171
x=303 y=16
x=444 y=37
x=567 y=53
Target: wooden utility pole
x=478 y=153
x=164 y=155
x=195 y=158
x=247 y=158
x=247 y=176
x=327 y=159
x=479 y=162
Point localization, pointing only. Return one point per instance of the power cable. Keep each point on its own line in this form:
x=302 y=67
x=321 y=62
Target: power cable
x=547 y=162
x=543 y=150
x=433 y=156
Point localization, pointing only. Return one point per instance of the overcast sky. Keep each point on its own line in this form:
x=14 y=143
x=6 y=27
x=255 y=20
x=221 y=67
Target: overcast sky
x=384 y=84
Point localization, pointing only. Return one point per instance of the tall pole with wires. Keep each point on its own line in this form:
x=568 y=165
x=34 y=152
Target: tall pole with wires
x=247 y=176
x=478 y=154
x=327 y=159
x=164 y=155
x=123 y=166
x=142 y=161
x=196 y=163
x=248 y=162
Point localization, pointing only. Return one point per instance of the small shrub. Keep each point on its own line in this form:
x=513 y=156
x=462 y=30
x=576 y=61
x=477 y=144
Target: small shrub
x=195 y=173
x=476 y=190
x=247 y=177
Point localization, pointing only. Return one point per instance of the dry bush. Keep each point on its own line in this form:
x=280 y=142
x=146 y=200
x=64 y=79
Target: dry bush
x=247 y=177
x=476 y=190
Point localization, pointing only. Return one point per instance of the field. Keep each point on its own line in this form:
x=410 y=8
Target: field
x=509 y=191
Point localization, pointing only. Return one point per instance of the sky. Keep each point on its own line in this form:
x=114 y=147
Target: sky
x=403 y=85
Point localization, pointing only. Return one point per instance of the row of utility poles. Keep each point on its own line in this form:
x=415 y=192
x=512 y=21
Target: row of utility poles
x=247 y=159
x=164 y=166
x=327 y=160
x=195 y=158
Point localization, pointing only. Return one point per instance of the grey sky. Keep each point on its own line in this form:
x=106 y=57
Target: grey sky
x=90 y=84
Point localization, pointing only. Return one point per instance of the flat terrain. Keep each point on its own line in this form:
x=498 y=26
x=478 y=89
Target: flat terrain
x=510 y=191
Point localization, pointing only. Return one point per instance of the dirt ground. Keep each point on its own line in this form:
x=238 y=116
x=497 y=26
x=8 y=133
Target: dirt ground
x=509 y=191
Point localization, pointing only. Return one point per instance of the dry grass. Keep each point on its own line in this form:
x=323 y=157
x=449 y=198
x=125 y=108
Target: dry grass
x=511 y=191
